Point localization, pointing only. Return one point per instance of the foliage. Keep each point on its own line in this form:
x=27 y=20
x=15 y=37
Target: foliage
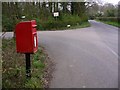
x=13 y=64
x=111 y=13
x=105 y=10
x=113 y=23
x=57 y=23
x=13 y=11
x=110 y=20
x=8 y=24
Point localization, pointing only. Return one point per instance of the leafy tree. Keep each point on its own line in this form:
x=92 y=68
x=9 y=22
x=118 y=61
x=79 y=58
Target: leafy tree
x=41 y=12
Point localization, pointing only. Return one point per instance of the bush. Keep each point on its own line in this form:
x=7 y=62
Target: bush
x=59 y=22
x=92 y=17
x=48 y=23
x=84 y=18
x=8 y=24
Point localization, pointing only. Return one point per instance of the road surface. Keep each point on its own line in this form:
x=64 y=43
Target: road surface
x=85 y=58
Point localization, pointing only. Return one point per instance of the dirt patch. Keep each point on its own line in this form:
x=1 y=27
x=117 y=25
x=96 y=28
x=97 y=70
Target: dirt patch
x=50 y=67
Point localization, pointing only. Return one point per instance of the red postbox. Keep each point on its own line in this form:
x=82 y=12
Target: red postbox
x=26 y=37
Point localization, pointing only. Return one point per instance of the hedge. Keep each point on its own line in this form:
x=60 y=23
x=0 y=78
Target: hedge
x=111 y=19
x=47 y=23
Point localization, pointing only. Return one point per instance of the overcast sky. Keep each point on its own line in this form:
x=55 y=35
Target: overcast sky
x=111 y=1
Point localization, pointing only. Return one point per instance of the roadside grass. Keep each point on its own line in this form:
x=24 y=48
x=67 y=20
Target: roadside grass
x=83 y=25
x=13 y=64
x=117 y=24
x=77 y=26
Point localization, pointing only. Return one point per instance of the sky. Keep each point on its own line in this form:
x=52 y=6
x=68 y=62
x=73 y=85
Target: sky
x=111 y=1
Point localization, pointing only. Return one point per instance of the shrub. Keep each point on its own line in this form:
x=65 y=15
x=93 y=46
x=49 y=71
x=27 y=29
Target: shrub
x=84 y=18
x=59 y=22
x=48 y=23
x=8 y=24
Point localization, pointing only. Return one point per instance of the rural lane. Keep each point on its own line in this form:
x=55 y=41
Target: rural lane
x=84 y=58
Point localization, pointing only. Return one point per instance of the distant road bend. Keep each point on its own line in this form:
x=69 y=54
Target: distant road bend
x=85 y=58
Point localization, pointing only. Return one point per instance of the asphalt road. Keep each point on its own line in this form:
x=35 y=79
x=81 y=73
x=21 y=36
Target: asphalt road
x=85 y=58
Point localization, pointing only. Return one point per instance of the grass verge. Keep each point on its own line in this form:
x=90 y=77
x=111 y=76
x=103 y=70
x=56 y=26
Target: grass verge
x=77 y=26
x=110 y=23
x=83 y=25
x=13 y=64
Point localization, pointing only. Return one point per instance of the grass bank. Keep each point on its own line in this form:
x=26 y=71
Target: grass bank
x=77 y=26
x=83 y=25
x=114 y=21
x=13 y=64
x=110 y=23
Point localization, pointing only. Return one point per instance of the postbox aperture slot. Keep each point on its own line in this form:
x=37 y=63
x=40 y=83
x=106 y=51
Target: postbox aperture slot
x=34 y=26
x=35 y=40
